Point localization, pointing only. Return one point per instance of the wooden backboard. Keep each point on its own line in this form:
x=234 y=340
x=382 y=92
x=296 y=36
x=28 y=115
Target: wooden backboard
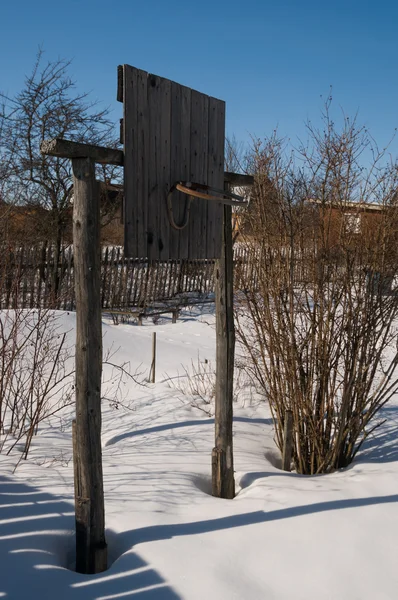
x=170 y=133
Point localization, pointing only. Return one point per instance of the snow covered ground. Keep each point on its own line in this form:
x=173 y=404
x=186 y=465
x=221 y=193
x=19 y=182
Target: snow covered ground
x=284 y=536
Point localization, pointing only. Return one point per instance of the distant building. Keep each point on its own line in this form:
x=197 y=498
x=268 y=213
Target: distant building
x=357 y=220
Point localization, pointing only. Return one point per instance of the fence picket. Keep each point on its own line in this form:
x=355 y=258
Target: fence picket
x=27 y=274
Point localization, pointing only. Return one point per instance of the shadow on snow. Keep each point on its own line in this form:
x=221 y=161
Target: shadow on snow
x=37 y=543
x=193 y=423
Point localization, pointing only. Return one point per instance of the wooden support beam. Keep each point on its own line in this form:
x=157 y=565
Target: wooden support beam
x=238 y=179
x=110 y=156
x=120 y=83
x=91 y=549
x=68 y=149
x=223 y=482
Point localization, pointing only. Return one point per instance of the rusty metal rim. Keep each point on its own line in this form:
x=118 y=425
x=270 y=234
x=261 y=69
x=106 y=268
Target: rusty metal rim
x=198 y=190
x=187 y=206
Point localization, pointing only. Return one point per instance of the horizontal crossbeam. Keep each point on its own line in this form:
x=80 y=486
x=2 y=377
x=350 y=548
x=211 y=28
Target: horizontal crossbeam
x=68 y=149
x=238 y=179
x=110 y=156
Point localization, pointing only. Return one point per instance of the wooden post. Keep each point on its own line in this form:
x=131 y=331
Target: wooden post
x=287 y=441
x=91 y=549
x=82 y=512
x=153 y=366
x=223 y=483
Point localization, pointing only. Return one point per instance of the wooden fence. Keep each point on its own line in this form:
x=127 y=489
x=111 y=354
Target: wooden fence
x=33 y=277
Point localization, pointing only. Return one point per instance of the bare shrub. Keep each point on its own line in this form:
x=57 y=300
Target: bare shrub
x=317 y=316
x=199 y=381
x=35 y=374
x=117 y=378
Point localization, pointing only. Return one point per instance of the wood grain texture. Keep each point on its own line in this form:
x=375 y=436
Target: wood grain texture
x=142 y=164
x=238 y=179
x=159 y=104
x=198 y=173
x=166 y=140
x=223 y=483
x=91 y=550
x=215 y=175
x=120 y=81
x=68 y=149
x=179 y=161
x=132 y=208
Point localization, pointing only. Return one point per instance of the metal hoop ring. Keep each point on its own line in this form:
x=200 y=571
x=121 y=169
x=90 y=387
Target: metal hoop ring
x=187 y=206
x=193 y=189
x=198 y=190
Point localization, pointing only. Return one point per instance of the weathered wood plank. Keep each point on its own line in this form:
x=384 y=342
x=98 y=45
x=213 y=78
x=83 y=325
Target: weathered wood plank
x=92 y=552
x=159 y=106
x=27 y=267
x=223 y=483
x=164 y=167
x=238 y=179
x=179 y=162
x=215 y=176
x=132 y=231
x=69 y=149
x=176 y=149
x=68 y=280
x=143 y=166
x=120 y=83
x=198 y=173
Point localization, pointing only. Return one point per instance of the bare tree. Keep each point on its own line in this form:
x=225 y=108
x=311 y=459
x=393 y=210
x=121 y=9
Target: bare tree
x=235 y=155
x=48 y=106
x=6 y=156
x=317 y=316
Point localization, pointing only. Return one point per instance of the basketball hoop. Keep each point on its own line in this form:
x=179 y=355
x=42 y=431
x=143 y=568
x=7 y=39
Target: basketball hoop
x=199 y=190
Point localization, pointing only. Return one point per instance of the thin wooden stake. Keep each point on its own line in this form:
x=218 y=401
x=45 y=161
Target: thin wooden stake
x=153 y=366
x=287 y=441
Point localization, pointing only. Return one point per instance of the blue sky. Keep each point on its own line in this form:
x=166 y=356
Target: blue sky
x=270 y=61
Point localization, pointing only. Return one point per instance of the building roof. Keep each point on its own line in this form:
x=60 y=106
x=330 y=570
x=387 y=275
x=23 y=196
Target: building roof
x=357 y=206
